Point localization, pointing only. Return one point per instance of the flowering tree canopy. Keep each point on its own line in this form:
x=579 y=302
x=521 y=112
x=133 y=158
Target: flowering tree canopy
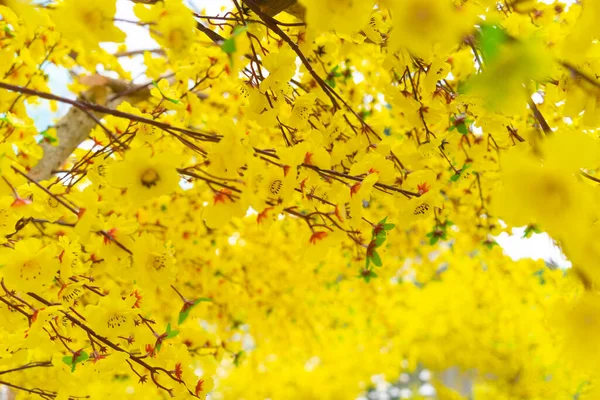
x=295 y=196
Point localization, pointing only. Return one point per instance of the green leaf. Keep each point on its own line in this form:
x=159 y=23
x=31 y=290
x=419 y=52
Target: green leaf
x=228 y=45
x=433 y=239
x=531 y=229
x=238 y=358
x=455 y=177
x=490 y=243
x=73 y=361
x=170 y=333
x=490 y=41
x=367 y=275
x=388 y=227
x=379 y=240
x=376 y=259
x=187 y=307
x=462 y=129
x=183 y=315
x=48 y=137
x=335 y=72
x=330 y=82
x=174 y=101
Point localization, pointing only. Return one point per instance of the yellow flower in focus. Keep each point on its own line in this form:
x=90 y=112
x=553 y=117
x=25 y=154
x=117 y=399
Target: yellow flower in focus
x=113 y=316
x=153 y=262
x=88 y=21
x=30 y=266
x=144 y=176
x=70 y=258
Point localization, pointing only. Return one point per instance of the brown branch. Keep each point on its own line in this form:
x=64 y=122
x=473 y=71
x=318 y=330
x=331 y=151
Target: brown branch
x=76 y=126
x=27 y=366
x=272 y=24
x=540 y=118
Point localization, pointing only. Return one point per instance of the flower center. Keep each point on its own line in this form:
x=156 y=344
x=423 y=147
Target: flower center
x=93 y=19
x=3 y=218
x=31 y=269
x=423 y=17
x=149 y=178
x=116 y=321
x=177 y=39
x=159 y=262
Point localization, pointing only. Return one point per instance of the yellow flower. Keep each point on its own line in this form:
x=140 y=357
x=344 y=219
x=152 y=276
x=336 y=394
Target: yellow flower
x=343 y=16
x=113 y=316
x=8 y=217
x=266 y=184
x=225 y=205
x=282 y=67
x=418 y=25
x=144 y=176
x=579 y=322
x=30 y=266
x=90 y=22
x=153 y=261
x=174 y=25
x=70 y=258
x=536 y=193
x=168 y=95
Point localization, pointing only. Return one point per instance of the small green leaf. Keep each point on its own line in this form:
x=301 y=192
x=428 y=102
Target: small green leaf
x=379 y=240
x=174 y=101
x=228 y=46
x=530 y=230
x=238 y=358
x=490 y=40
x=462 y=129
x=433 y=239
x=388 y=227
x=73 y=361
x=183 y=315
x=48 y=137
x=172 y=334
x=367 y=275
x=490 y=243
x=455 y=177
x=187 y=307
x=330 y=82
x=376 y=259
